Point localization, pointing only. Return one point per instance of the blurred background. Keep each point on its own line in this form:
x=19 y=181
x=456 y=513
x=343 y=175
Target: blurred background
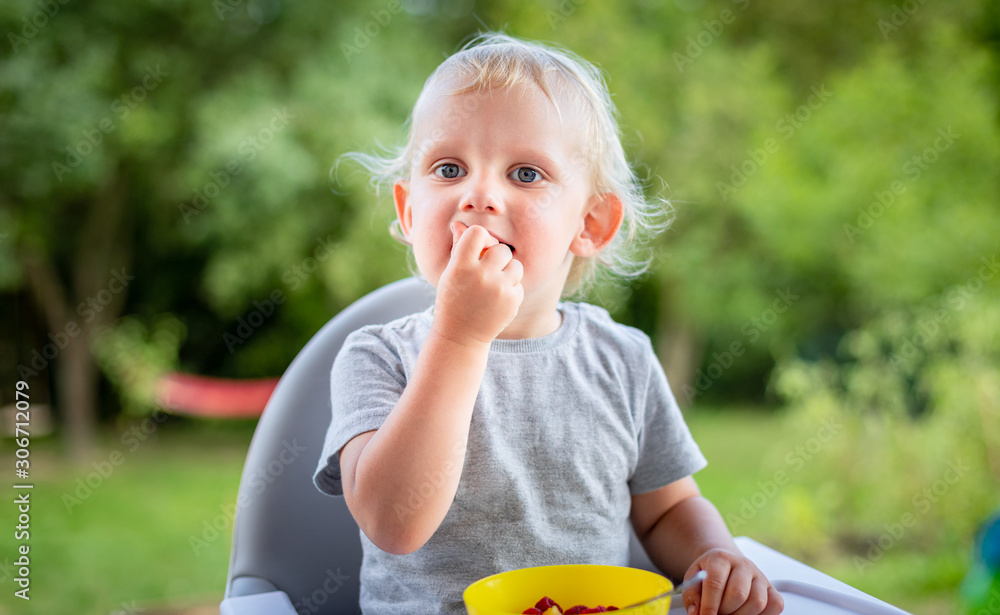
x=826 y=302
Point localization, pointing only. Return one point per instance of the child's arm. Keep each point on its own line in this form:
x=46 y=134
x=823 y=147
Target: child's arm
x=683 y=533
x=423 y=440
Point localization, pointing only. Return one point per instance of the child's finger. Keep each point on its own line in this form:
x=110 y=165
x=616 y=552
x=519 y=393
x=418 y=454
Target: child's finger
x=457 y=229
x=514 y=271
x=692 y=601
x=755 y=601
x=489 y=244
x=739 y=586
x=775 y=603
x=496 y=255
x=712 y=588
x=465 y=237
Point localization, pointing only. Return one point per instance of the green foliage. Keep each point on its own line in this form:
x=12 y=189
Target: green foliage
x=210 y=169
x=914 y=462
x=135 y=357
x=226 y=150
x=873 y=201
x=830 y=165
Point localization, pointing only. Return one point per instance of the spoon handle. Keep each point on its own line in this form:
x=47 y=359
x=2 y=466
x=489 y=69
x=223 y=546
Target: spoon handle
x=698 y=577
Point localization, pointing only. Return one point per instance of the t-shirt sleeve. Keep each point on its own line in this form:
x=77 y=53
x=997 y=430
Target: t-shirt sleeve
x=666 y=450
x=366 y=381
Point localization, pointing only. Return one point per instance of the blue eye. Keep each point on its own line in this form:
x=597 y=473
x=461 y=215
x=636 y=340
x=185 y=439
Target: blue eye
x=526 y=175
x=448 y=171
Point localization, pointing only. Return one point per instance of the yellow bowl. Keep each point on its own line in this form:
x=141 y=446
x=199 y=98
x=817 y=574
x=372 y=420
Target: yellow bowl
x=569 y=585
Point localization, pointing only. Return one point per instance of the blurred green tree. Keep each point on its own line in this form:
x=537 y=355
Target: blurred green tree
x=775 y=127
x=171 y=158
x=178 y=152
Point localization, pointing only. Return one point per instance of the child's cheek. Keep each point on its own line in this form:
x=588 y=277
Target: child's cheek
x=430 y=260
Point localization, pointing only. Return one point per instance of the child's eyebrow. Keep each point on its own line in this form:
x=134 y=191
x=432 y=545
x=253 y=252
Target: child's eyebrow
x=541 y=158
x=433 y=150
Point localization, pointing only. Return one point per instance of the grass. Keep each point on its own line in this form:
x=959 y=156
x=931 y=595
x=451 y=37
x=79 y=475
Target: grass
x=745 y=450
x=126 y=544
x=123 y=542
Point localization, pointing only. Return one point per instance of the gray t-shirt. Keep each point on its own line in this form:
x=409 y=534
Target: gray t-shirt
x=565 y=428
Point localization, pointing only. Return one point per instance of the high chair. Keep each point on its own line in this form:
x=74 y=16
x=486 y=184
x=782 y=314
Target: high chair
x=296 y=550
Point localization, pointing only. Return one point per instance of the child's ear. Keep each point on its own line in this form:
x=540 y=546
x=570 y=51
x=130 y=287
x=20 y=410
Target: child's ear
x=401 y=196
x=601 y=219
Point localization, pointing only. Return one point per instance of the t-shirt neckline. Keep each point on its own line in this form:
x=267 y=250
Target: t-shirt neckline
x=570 y=322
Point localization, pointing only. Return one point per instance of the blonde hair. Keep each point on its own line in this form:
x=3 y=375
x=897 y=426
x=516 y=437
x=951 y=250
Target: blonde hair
x=495 y=60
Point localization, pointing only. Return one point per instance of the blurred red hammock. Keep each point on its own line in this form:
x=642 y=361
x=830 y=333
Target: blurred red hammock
x=207 y=397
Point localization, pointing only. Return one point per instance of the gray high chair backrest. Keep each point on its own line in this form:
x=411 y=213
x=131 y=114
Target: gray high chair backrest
x=296 y=550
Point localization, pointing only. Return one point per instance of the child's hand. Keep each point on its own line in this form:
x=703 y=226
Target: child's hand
x=480 y=290
x=734 y=585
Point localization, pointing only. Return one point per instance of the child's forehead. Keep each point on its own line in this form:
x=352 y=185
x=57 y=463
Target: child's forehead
x=450 y=101
x=524 y=115
x=469 y=101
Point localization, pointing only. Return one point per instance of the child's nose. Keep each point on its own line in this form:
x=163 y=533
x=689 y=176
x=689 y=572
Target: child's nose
x=483 y=195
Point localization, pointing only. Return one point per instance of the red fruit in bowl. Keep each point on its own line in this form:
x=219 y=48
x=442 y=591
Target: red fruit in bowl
x=546 y=603
x=531 y=611
x=581 y=608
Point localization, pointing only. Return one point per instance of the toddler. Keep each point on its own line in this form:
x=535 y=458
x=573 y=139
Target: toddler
x=505 y=427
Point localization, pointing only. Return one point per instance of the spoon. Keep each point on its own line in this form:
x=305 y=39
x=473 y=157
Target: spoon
x=698 y=577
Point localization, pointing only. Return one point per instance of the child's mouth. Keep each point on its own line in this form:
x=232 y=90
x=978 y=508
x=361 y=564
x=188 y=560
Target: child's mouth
x=458 y=228
x=502 y=242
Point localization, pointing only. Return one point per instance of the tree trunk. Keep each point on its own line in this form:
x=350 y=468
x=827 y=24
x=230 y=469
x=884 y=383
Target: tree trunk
x=679 y=350
x=74 y=397
x=677 y=347
x=103 y=245
x=77 y=379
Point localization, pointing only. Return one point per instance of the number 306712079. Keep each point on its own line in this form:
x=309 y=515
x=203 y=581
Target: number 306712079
x=22 y=420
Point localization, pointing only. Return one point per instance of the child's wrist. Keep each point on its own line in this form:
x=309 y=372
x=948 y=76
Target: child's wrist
x=458 y=341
